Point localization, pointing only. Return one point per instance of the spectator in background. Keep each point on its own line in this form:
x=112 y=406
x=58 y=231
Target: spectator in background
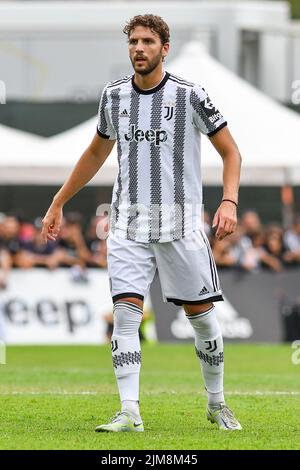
x=233 y=253
x=5 y=266
x=274 y=242
x=251 y=251
x=6 y=257
x=71 y=243
x=97 y=246
x=251 y=223
x=227 y=252
x=265 y=258
x=33 y=252
x=71 y=249
x=250 y=248
x=256 y=250
x=9 y=235
x=292 y=243
x=253 y=255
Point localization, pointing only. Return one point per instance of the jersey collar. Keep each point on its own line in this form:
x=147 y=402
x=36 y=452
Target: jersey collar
x=151 y=90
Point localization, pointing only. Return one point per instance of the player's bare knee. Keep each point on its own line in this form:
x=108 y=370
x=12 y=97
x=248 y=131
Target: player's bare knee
x=133 y=300
x=196 y=309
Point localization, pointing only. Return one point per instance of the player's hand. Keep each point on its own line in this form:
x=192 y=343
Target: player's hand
x=225 y=220
x=52 y=223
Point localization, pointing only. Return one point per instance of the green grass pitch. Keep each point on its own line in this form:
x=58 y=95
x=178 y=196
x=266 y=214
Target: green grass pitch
x=52 y=397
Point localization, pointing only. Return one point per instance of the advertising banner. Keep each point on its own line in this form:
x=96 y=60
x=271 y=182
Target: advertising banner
x=44 y=307
x=260 y=306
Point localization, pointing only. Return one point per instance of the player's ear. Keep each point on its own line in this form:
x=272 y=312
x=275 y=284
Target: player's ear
x=165 y=49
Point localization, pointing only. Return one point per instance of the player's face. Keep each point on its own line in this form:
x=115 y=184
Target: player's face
x=146 y=51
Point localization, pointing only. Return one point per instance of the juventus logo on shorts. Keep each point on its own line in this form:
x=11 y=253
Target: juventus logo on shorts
x=169 y=112
x=212 y=346
x=114 y=345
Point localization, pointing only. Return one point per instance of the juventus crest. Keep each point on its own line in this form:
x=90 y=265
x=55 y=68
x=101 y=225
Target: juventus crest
x=169 y=111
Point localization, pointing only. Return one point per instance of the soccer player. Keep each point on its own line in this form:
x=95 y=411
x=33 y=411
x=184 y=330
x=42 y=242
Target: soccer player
x=155 y=118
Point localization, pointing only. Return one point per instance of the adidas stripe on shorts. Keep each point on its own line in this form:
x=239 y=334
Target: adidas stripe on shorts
x=186 y=268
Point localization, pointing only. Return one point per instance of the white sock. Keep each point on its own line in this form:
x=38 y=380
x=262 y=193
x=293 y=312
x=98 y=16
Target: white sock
x=132 y=407
x=209 y=349
x=126 y=353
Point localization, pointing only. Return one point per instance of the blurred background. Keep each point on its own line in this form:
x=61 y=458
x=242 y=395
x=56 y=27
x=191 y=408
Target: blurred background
x=55 y=59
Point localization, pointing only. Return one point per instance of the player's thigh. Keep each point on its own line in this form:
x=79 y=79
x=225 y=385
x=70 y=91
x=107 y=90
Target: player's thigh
x=187 y=271
x=131 y=268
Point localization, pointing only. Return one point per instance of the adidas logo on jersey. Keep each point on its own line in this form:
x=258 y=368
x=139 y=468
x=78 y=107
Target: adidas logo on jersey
x=152 y=135
x=124 y=113
x=203 y=291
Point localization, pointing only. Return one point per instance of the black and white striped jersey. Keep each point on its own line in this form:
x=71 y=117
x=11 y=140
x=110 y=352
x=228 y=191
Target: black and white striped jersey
x=157 y=195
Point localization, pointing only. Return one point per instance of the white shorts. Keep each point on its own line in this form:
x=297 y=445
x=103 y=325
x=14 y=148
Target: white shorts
x=186 y=268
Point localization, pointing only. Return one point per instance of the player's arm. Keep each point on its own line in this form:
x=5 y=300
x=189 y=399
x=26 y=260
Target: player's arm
x=87 y=166
x=225 y=219
x=208 y=119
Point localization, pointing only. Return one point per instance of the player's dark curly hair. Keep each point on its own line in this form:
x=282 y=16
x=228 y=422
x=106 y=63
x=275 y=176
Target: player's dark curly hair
x=154 y=22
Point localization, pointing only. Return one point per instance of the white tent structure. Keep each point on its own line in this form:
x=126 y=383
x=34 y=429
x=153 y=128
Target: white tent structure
x=68 y=146
x=266 y=132
x=27 y=159
x=16 y=151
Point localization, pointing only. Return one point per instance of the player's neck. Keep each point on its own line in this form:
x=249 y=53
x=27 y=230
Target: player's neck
x=144 y=82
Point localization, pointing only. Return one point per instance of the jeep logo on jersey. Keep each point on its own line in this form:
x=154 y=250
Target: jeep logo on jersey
x=152 y=135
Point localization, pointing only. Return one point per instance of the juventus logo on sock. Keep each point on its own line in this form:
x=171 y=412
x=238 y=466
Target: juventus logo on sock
x=211 y=346
x=114 y=345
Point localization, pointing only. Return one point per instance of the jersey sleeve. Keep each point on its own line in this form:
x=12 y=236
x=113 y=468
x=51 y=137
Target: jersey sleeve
x=206 y=117
x=105 y=127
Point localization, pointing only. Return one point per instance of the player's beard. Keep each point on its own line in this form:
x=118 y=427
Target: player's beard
x=150 y=67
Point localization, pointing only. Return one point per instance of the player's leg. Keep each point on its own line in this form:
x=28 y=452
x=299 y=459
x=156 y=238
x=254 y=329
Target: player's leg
x=210 y=351
x=126 y=352
x=209 y=348
x=131 y=268
x=189 y=278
